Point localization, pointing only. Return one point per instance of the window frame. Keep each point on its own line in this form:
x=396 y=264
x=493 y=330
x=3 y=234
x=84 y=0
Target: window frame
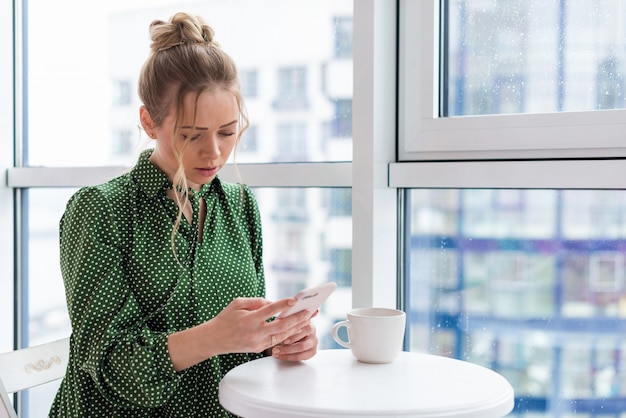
x=424 y=136
x=436 y=153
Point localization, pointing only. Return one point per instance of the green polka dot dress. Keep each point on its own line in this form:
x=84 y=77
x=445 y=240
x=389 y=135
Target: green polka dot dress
x=126 y=292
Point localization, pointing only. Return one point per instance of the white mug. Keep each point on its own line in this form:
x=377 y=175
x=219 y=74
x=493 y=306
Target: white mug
x=375 y=335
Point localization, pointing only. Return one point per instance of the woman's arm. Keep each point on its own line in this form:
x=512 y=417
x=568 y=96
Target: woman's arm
x=127 y=362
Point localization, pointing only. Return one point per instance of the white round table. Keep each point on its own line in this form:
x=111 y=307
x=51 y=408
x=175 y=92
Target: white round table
x=335 y=384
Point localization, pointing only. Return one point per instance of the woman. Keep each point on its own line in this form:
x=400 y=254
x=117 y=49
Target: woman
x=162 y=266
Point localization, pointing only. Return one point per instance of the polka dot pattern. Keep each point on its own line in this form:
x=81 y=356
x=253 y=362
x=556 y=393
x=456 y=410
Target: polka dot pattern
x=126 y=292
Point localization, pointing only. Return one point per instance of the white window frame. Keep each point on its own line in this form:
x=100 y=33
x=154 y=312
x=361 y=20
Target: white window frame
x=426 y=137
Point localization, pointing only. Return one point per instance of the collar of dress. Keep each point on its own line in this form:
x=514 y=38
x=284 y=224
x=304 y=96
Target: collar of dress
x=154 y=182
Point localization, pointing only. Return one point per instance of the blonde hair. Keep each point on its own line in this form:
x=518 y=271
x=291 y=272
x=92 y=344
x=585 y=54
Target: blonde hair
x=185 y=59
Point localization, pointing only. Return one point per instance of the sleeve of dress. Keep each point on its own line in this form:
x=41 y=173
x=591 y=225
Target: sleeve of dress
x=251 y=209
x=128 y=363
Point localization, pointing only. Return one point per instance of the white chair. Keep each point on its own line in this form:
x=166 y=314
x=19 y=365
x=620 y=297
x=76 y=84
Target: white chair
x=30 y=367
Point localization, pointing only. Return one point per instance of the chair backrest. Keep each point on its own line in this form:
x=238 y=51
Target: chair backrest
x=30 y=367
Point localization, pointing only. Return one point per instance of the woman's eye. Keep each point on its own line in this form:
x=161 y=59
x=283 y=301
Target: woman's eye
x=227 y=133
x=184 y=137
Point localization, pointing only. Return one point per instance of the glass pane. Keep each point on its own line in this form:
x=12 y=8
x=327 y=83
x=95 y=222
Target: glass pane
x=529 y=283
x=82 y=100
x=533 y=56
x=307 y=240
x=47 y=313
x=48 y=319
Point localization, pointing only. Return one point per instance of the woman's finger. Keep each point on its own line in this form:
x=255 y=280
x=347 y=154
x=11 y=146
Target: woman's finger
x=303 y=349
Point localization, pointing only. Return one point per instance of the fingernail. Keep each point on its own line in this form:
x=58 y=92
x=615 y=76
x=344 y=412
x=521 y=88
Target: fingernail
x=276 y=351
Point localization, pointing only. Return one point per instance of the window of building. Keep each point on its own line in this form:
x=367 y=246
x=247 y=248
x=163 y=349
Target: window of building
x=610 y=84
x=249 y=143
x=343 y=37
x=122 y=142
x=342 y=122
x=249 y=83
x=292 y=89
x=123 y=92
x=292 y=198
x=340 y=202
x=341 y=262
x=292 y=142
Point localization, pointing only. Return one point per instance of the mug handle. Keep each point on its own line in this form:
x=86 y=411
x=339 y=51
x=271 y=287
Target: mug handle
x=337 y=338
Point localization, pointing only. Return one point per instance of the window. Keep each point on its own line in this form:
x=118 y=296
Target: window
x=291 y=205
x=532 y=56
x=534 y=290
x=292 y=142
x=249 y=143
x=511 y=245
x=508 y=189
x=341 y=262
x=292 y=89
x=44 y=305
x=292 y=198
x=539 y=66
x=103 y=142
x=610 y=84
x=249 y=83
x=342 y=122
x=123 y=93
x=122 y=142
x=343 y=37
x=278 y=73
x=340 y=202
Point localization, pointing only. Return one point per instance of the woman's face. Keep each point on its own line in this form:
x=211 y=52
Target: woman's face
x=210 y=144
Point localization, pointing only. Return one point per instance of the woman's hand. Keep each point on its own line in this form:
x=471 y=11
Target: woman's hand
x=243 y=327
x=301 y=346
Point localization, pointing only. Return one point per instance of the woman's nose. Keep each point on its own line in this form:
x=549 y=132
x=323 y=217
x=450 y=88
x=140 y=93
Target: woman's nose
x=211 y=147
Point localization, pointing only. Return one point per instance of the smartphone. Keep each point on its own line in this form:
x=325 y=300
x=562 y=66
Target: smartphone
x=310 y=299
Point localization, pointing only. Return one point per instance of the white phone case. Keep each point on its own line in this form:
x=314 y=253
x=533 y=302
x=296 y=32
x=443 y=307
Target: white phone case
x=310 y=299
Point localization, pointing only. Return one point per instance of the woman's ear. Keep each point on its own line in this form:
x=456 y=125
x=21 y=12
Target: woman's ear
x=146 y=122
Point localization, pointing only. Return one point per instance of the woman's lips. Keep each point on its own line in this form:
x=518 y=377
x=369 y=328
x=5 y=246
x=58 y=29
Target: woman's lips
x=207 y=172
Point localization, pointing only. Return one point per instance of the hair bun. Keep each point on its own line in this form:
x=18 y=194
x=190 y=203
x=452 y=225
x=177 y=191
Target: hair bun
x=181 y=29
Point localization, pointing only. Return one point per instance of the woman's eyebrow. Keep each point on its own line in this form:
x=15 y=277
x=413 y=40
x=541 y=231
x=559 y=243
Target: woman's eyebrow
x=197 y=128
x=228 y=124
x=202 y=128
